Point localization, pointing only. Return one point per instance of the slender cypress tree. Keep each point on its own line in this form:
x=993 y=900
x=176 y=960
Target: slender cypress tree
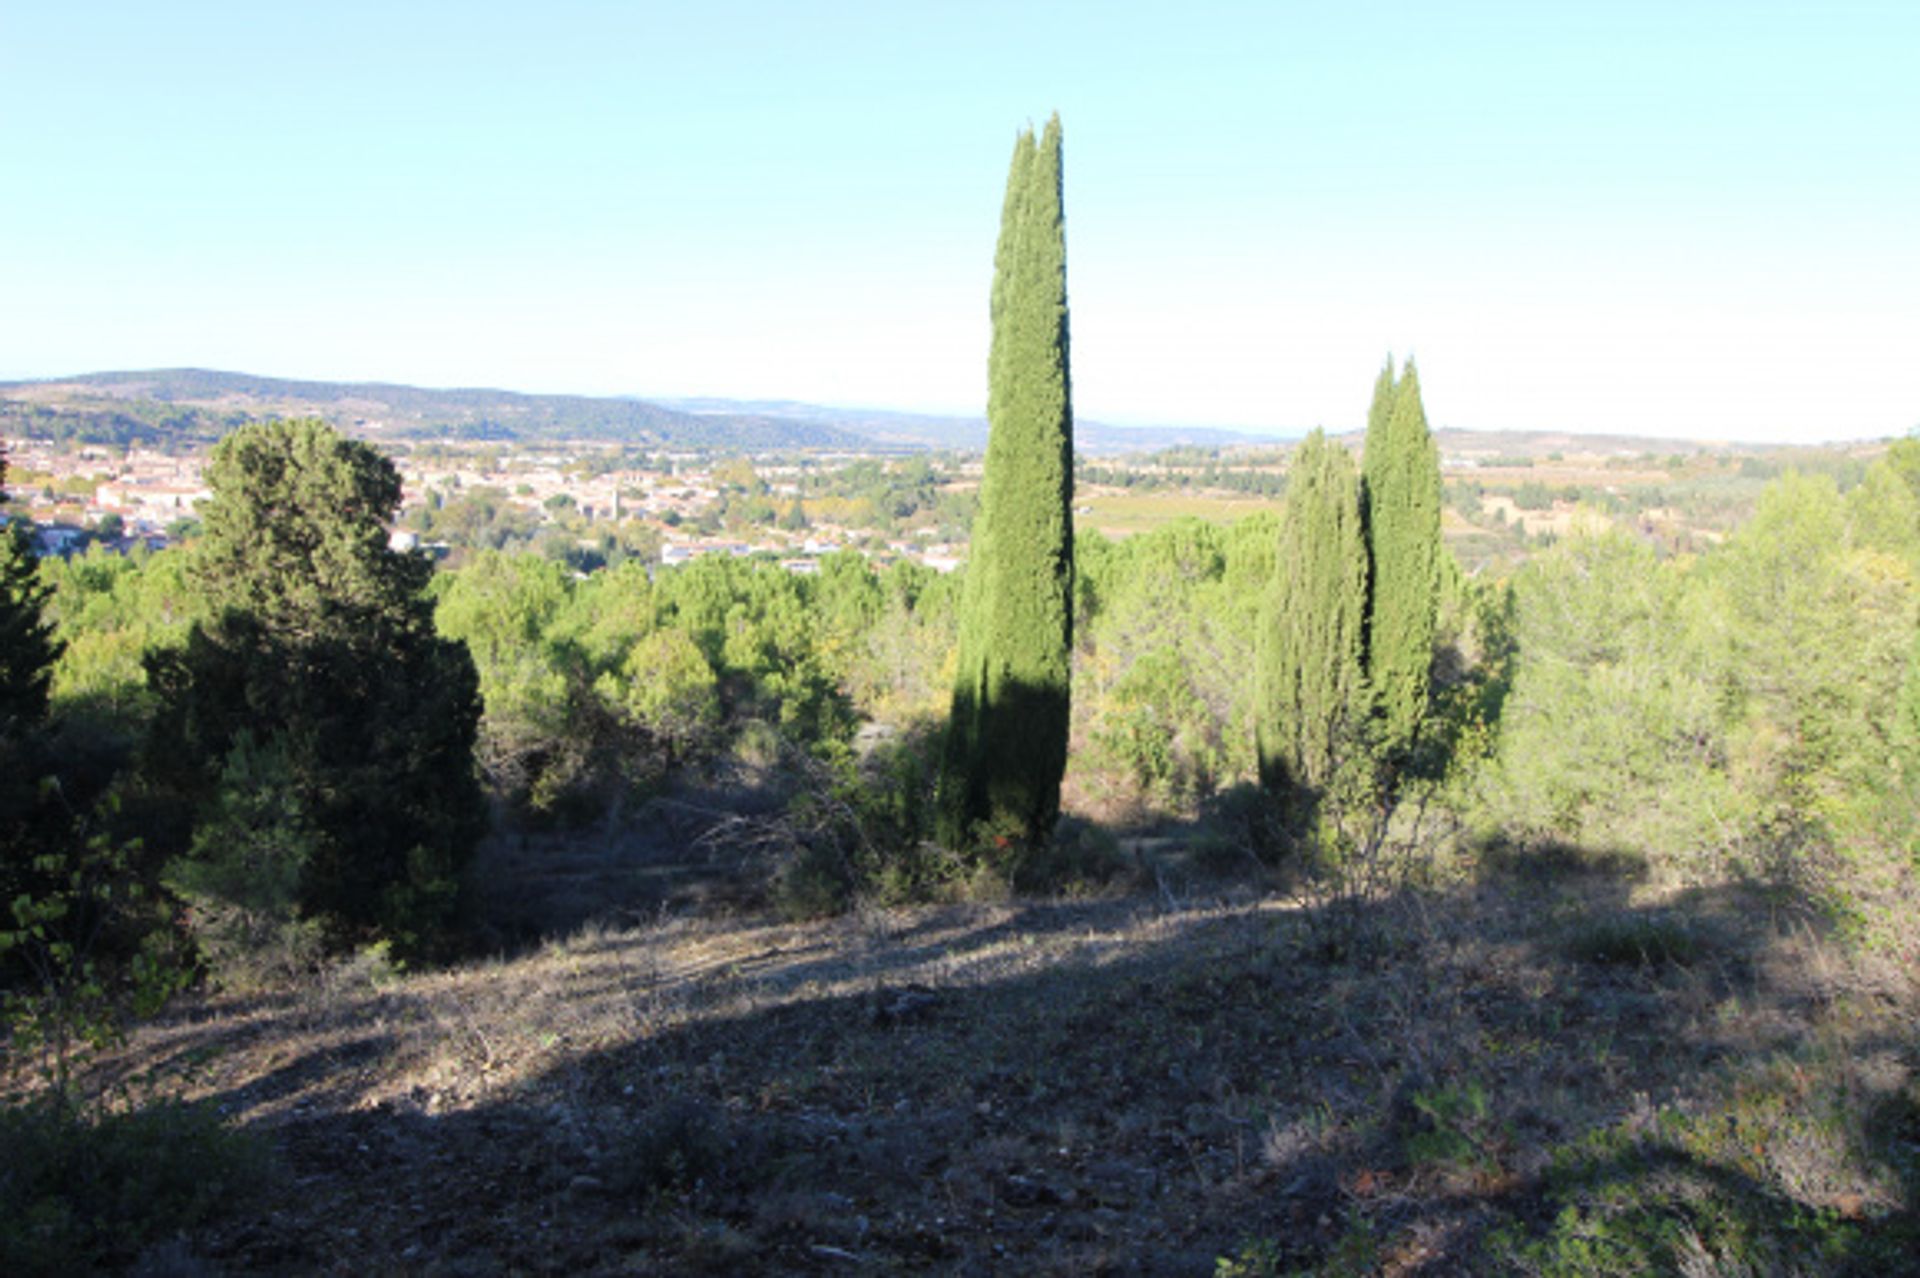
x=1312 y=674
x=1402 y=474
x=1006 y=743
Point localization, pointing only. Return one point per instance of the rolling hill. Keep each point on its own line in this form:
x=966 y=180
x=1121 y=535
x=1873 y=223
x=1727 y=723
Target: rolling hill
x=198 y=404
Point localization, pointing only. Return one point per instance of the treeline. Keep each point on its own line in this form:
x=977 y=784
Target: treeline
x=1188 y=470
x=1731 y=712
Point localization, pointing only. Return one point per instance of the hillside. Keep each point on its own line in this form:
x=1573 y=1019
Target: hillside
x=156 y=405
x=1483 y=1080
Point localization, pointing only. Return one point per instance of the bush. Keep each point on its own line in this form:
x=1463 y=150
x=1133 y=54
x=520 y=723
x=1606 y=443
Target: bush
x=241 y=879
x=1078 y=858
x=677 y=1145
x=79 y=1193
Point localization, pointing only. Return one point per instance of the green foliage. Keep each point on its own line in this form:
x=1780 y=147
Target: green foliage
x=319 y=630
x=1731 y=714
x=1455 y=1130
x=669 y=689
x=240 y=880
x=70 y=999
x=1312 y=671
x=856 y=829
x=91 y=1192
x=1637 y=940
x=109 y=611
x=534 y=746
x=1612 y=702
x=1167 y=624
x=1907 y=716
x=28 y=648
x=1006 y=745
x=1680 y=1192
x=1401 y=470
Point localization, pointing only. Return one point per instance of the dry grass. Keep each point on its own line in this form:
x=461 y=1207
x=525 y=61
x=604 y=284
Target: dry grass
x=1119 y=513
x=1114 y=1086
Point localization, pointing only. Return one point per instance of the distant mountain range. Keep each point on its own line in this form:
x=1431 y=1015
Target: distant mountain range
x=196 y=405
x=188 y=404
x=927 y=430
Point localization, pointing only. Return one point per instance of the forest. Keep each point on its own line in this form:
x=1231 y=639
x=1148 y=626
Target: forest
x=1265 y=897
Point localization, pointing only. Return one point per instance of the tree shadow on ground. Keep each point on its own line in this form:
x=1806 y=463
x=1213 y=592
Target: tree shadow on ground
x=1477 y=1084
x=531 y=885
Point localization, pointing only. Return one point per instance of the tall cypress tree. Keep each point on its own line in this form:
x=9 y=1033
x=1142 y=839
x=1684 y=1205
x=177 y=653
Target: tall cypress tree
x=1402 y=474
x=1312 y=674
x=1006 y=744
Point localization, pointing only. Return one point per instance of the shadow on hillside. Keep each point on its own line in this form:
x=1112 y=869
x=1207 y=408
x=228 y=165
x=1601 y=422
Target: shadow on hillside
x=1116 y=1088
x=530 y=885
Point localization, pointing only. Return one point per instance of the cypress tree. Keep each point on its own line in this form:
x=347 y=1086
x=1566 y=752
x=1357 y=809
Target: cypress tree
x=1402 y=476
x=1312 y=676
x=1006 y=743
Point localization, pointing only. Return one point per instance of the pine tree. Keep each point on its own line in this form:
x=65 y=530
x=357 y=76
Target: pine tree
x=322 y=649
x=1312 y=677
x=1006 y=744
x=27 y=646
x=1402 y=478
x=30 y=825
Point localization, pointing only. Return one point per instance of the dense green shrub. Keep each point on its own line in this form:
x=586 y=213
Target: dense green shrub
x=89 y=1192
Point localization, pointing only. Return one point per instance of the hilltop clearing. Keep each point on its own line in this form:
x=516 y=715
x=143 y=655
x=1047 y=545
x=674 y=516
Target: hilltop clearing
x=1486 y=1078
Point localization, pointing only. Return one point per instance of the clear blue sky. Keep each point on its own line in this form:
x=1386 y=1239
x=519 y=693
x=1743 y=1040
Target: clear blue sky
x=1680 y=218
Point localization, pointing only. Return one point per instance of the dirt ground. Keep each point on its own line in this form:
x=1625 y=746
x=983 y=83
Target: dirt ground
x=1205 y=1079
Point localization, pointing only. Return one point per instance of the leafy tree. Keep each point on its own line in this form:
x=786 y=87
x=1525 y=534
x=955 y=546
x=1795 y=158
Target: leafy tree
x=110 y=610
x=503 y=609
x=1401 y=470
x=1604 y=642
x=668 y=688
x=1006 y=744
x=320 y=643
x=1165 y=639
x=1312 y=672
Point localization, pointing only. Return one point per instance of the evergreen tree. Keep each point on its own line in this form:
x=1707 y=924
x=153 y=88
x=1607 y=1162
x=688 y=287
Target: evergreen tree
x=31 y=826
x=321 y=649
x=1006 y=744
x=1312 y=676
x=27 y=646
x=1402 y=478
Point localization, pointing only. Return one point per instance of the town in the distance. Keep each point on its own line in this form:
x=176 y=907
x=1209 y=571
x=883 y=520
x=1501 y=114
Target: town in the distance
x=105 y=461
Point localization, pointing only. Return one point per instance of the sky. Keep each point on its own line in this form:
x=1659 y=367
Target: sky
x=1687 y=219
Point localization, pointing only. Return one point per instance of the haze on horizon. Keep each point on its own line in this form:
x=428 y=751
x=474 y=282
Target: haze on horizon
x=1641 y=218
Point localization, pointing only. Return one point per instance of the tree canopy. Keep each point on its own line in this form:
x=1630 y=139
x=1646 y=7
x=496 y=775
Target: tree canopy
x=321 y=647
